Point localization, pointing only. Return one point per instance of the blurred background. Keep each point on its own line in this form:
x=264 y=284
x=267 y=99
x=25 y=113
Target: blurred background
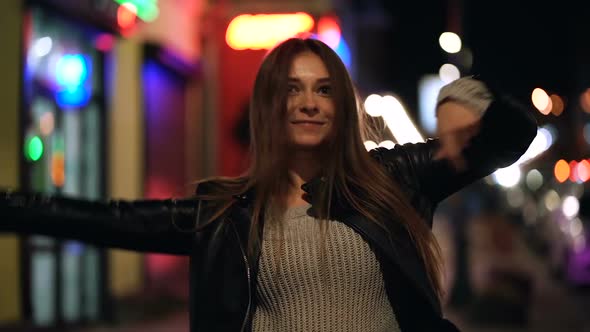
x=139 y=98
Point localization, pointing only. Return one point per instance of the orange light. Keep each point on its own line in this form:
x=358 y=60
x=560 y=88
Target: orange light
x=58 y=174
x=561 y=170
x=583 y=170
x=126 y=15
x=558 y=105
x=264 y=31
x=573 y=171
x=329 y=31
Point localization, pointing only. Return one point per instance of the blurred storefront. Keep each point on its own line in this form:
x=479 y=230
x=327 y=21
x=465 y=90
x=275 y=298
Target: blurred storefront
x=63 y=133
x=99 y=86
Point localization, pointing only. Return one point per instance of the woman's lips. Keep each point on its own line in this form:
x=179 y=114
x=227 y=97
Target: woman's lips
x=308 y=123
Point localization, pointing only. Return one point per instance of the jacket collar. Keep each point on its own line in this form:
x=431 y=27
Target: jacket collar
x=310 y=188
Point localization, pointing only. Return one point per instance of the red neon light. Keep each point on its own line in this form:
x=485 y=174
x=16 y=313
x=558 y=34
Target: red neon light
x=329 y=31
x=126 y=16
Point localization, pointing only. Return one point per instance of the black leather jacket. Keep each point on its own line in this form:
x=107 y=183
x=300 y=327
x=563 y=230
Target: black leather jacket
x=223 y=278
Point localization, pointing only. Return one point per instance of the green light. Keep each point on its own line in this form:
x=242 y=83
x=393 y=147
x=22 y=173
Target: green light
x=34 y=148
x=147 y=10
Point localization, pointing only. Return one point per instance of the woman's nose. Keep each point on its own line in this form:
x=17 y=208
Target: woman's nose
x=309 y=102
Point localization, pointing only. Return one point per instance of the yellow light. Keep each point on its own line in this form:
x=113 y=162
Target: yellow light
x=562 y=170
x=264 y=31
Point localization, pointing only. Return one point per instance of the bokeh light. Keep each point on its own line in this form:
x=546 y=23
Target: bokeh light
x=373 y=105
x=515 y=197
x=450 y=42
x=71 y=70
x=34 y=148
x=147 y=10
x=126 y=15
x=583 y=170
x=58 y=174
x=547 y=136
x=557 y=105
x=264 y=31
x=561 y=170
x=449 y=73
x=576 y=227
x=42 y=46
x=551 y=200
x=329 y=31
x=508 y=177
x=104 y=42
x=541 y=101
x=534 y=179
x=570 y=206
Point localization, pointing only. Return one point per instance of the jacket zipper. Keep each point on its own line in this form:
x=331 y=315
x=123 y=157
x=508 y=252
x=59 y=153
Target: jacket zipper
x=248 y=276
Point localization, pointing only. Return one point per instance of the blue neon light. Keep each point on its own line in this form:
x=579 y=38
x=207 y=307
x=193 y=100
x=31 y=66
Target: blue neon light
x=341 y=49
x=76 y=97
x=71 y=70
x=71 y=74
x=343 y=52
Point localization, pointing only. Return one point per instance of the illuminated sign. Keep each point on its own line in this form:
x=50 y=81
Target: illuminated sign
x=264 y=31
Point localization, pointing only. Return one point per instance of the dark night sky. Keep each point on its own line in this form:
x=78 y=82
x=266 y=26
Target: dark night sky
x=517 y=44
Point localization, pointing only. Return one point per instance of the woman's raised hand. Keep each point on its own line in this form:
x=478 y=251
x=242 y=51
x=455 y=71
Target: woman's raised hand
x=456 y=124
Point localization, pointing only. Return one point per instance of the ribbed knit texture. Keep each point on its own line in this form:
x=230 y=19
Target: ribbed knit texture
x=470 y=92
x=341 y=291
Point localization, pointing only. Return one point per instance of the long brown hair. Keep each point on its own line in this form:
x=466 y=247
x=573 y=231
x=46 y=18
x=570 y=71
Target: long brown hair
x=349 y=171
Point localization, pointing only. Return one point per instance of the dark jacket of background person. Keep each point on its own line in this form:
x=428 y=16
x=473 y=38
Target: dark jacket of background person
x=222 y=274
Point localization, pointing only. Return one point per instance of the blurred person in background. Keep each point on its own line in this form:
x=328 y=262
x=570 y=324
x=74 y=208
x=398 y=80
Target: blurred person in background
x=318 y=234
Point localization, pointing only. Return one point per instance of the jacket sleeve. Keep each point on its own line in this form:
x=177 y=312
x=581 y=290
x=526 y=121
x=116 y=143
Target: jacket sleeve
x=164 y=226
x=505 y=132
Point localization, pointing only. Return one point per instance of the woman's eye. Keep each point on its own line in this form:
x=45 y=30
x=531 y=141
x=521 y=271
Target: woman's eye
x=325 y=90
x=292 y=89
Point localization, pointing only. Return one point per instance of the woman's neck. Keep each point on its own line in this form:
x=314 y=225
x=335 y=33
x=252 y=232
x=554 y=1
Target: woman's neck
x=302 y=168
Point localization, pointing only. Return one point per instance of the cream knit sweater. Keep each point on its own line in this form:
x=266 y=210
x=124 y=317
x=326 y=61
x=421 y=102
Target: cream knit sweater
x=301 y=290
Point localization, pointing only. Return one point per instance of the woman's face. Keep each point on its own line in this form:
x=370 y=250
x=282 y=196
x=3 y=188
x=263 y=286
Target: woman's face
x=310 y=106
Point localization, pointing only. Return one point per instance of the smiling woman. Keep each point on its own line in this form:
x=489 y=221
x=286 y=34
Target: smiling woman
x=310 y=107
x=318 y=234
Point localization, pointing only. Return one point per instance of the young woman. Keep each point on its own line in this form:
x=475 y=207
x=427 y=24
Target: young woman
x=318 y=234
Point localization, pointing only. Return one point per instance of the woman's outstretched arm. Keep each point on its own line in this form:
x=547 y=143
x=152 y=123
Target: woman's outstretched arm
x=164 y=226
x=469 y=146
